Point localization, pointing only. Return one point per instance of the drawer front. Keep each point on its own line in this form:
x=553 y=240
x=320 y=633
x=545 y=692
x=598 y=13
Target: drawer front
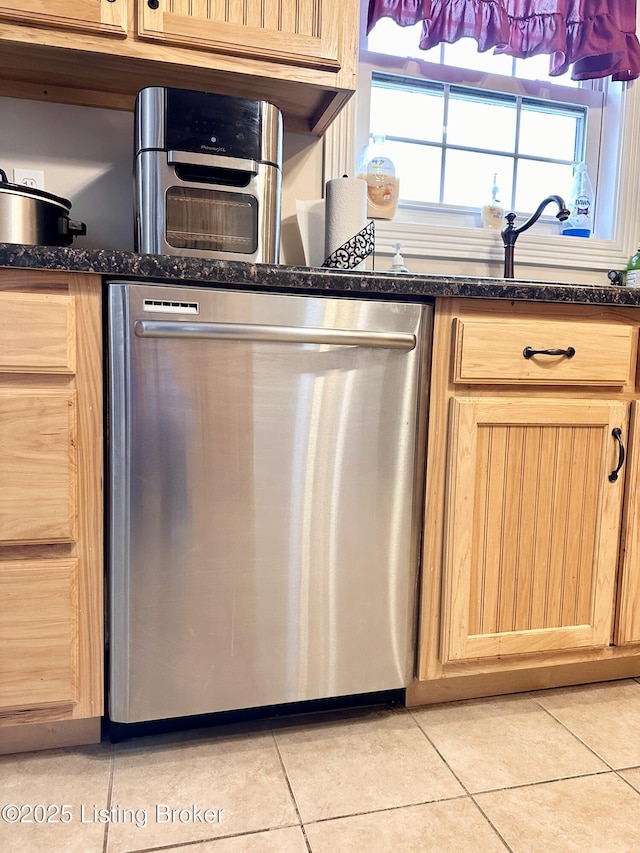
x=37 y=333
x=38 y=642
x=506 y=351
x=38 y=466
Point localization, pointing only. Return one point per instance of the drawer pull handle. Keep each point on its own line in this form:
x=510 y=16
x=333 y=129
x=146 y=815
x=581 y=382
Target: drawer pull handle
x=529 y=352
x=616 y=432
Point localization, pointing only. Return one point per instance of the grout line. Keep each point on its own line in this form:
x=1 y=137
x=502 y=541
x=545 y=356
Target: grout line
x=626 y=781
x=437 y=751
x=539 y=782
x=574 y=735
x=607 y=769
x=468 y=793
x=293 y=798
x=186 y=844
x=112 y=767
x=490 y=822
x=388 y=809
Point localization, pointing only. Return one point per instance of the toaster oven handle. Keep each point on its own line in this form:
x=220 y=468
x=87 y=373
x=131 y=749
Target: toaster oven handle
x=275 y=334
x=213 y=160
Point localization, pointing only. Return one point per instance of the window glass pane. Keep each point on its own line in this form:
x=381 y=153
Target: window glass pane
x=539 y=179
x=416 y=114
x=387 y=37
x=464 y=54
x=418 y=170
x=469 y=178
x=481 y=124
x=547 y=134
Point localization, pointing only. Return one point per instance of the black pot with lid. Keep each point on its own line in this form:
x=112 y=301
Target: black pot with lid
x=34 y=217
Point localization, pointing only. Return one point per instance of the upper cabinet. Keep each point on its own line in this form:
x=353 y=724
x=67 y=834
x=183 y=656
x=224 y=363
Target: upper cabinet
x=301 y=55
x=299 y=32
x=87 y=16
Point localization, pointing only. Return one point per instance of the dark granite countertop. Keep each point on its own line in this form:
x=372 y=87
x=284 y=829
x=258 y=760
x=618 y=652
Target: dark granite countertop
x=286 y=278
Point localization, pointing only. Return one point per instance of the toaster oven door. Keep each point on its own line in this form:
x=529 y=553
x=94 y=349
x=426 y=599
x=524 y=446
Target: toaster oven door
x=211 y=219
x=192 y=213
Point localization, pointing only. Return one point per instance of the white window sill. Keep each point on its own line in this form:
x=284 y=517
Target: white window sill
x=539 y=246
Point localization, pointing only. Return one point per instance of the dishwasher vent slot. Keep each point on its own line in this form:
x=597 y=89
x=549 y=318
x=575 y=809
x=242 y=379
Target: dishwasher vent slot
x=167 y=306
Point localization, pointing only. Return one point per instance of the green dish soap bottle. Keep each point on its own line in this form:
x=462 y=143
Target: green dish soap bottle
x=633 y=270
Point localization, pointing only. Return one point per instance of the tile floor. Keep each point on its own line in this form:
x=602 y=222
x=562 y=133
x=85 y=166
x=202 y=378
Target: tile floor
x=556 y=770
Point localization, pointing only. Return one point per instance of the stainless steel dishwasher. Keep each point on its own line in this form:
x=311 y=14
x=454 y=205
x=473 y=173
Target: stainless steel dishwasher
x=265 y=491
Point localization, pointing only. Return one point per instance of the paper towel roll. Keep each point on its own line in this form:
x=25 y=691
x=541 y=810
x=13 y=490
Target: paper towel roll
x=345 y=213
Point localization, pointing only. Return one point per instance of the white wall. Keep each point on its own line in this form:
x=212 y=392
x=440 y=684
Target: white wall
x=87 y=157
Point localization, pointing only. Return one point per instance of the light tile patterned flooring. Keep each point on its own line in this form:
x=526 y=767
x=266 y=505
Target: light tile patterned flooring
x=556 y=770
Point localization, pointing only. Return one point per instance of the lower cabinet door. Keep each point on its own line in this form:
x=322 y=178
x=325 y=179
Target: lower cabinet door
x=38 y=634
x=533 y=513
x=628 y=618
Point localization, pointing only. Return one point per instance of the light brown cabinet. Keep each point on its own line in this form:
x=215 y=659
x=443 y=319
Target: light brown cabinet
x=39 y=617
x=530 y=566
x=532 y=526
x=38 y=458
x=86 y=16
x=301 y=55
x=51 y=542
x=628 y=623
x=303 y=33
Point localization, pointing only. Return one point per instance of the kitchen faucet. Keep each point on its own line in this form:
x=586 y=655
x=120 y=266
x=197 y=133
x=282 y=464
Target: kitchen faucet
x=510 y=234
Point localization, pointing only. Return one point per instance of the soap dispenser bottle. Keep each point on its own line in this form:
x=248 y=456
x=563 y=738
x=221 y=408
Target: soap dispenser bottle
x=397 y=263
x=378 y=170
x=493 y=214
x=579 y=223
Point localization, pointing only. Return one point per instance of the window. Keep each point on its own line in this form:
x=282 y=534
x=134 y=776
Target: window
x=525 y=125
x=453 y=118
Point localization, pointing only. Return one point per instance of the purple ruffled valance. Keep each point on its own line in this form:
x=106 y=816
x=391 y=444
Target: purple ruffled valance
x=596 y=37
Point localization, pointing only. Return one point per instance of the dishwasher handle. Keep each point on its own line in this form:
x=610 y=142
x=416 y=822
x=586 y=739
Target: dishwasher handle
x=276 y=334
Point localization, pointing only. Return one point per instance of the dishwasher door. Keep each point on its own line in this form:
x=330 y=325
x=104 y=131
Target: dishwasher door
x=265 y=492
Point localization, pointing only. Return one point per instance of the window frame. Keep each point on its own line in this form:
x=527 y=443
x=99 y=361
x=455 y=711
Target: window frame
x=470 y=246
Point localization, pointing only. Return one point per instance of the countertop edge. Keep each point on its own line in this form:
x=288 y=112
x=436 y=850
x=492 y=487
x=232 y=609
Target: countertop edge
x=277 y=277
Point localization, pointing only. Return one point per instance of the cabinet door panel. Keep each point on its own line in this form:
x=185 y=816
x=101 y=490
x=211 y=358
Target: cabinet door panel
x=301 y=33
x=628 y=623
x=38 y=633
x=532 y=526
x=37 y=333
x=90 y=16
x=38 y=465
